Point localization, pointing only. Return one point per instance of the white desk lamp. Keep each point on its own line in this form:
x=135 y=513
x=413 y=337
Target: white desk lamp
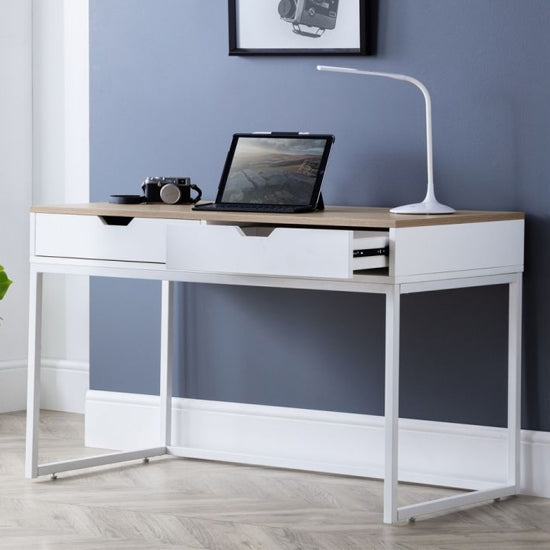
x=429 y=205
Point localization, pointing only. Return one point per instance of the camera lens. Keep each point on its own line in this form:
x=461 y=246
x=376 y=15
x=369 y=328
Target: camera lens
x=287 y=8
x=170 y=193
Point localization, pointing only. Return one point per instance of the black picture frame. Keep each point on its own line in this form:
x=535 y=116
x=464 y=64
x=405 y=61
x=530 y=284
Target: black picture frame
x=362 y=39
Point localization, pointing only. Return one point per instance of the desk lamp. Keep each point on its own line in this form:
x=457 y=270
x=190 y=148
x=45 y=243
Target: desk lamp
x=429 y=205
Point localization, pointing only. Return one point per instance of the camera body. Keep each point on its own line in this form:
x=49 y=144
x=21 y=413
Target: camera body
x=169 y=190
x=312 y=13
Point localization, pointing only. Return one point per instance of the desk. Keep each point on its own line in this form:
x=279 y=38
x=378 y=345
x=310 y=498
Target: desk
x=328 y=250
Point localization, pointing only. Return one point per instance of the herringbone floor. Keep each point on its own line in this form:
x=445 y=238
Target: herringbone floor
x=187 y=504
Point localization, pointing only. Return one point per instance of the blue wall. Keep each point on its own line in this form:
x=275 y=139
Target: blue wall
x=165 y=99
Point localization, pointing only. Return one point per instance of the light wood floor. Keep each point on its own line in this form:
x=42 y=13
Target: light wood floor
x=189 y=504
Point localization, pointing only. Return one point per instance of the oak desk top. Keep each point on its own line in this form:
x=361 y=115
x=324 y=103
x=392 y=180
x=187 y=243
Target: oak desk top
x=332 y=216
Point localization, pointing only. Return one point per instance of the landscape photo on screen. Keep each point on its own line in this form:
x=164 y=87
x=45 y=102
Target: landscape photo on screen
x=274 y=171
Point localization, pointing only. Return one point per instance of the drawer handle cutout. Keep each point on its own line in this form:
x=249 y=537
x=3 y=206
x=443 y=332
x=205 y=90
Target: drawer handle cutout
x=116 y=220
x=255 y=231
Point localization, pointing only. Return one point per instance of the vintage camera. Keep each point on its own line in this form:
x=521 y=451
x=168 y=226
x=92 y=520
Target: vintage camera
x=319 y=14
x=170 y=190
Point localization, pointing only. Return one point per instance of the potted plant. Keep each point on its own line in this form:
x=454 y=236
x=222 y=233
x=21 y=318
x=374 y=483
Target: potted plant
x=4 y=283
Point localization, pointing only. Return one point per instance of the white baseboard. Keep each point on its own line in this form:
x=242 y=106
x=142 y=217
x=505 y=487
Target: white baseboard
x=13 y=386
x=438 y=453
x=64 y=385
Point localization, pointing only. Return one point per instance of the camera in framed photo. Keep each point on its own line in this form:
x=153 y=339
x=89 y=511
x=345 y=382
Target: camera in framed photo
x=318 y=15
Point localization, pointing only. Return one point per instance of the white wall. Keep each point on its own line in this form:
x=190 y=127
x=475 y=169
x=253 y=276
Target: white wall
x=44 y=155
x=15 y=183
x=61 y=155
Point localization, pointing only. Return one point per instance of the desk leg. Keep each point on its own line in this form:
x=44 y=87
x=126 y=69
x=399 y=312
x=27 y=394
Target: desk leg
x=166 y=326
x=391 y=404
x=514 y=382
x=33 y=373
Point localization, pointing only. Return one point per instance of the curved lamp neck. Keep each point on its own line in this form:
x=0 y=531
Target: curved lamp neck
x=429 y=147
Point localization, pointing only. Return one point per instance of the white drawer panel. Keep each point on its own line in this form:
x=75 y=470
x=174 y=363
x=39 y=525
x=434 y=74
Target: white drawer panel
x=457 y=247
x=73 y=236
x=275 y=251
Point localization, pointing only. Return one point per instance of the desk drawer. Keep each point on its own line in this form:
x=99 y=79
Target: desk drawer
x=92 y=237
x=276 y=251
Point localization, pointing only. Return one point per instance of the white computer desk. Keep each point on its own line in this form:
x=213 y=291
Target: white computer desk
x=303 y=251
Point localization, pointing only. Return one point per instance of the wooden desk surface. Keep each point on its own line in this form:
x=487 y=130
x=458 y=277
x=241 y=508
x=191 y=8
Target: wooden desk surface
x=332 y=216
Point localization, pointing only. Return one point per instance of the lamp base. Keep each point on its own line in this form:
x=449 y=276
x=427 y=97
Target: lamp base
x=424 y=207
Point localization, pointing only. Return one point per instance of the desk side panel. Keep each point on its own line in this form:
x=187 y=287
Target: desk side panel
x=32 y=234
x=460 y=247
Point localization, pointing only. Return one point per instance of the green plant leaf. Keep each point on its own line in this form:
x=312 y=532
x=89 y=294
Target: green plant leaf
x=4 y=282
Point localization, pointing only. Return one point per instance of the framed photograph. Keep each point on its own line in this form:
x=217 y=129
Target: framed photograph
x=302 y=27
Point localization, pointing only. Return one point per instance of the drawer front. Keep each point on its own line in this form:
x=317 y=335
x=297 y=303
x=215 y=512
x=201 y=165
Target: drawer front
x=279 y=251
x=91 y=237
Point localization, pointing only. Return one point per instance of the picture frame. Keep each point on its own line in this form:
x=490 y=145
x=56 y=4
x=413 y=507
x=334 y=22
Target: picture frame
x=302 y=27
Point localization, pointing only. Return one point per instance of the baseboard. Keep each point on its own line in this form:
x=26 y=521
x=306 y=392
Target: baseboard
x=64 y=385
x=13 y=386
x=444 y=454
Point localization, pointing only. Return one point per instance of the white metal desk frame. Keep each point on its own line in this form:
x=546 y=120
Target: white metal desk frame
x=369 y=284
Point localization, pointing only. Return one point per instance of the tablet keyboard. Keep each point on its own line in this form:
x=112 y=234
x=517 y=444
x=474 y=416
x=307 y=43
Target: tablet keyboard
x=267 y=208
